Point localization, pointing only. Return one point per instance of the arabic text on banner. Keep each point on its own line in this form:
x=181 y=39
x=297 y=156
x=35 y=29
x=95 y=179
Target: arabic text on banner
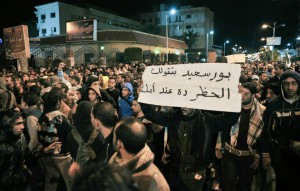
x=201 y=86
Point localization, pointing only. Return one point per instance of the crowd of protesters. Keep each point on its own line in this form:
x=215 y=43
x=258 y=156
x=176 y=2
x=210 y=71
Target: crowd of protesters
x=155 y=147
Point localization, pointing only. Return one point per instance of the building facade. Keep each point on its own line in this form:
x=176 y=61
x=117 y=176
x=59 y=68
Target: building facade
x=199 y=20
x=107 y=47
x=52 y=18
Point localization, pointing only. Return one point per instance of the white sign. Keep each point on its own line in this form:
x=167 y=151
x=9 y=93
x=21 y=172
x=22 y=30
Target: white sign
x=209 y=86
x=271 y=41
x=234 y=58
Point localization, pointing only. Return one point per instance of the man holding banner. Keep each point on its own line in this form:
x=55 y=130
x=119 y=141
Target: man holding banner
x=190 y=130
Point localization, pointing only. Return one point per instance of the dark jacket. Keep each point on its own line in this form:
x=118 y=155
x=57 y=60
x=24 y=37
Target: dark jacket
x=282 y=119
x=190 y=138
x=13 y=174
x=54 y=126
x=282 y=122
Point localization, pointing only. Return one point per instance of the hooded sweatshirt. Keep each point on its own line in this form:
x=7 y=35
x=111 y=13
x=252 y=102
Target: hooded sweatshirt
x=125 y=103
x=7 y=98
x=282 y=118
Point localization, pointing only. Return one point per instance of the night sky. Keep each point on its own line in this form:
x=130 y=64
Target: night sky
x=239 y=21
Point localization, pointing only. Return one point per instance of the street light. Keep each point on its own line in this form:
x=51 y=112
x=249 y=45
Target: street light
x=226 y=42
x=173 y=11
x=264 y=26
x=210 y=32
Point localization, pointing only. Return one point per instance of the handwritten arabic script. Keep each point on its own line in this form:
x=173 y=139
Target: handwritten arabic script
x=202 y=86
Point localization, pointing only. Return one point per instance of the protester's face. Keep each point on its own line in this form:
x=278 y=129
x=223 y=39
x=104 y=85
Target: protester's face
x=9 y=81
x=249 y=75
x=255 y=81
x=187 y=111
x=25 y=78
x=73 y=82
x=125 y=92
x=290 y=87
x=263 y=77
x=270 y=94
x=119 y=79
x=32 y=77
x=136 y=107
x=18 y=126
x=278 y=71
x=111 y=83
x=127 y=79
x=92 y=95
x=95 y=83
x=18 y=82
x=111 y=73
x=247 y=97
x=78 y=94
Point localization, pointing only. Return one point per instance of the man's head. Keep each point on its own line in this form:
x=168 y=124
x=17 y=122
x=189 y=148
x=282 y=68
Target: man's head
x=263 y=77
x=94 y=94
x=10 y=81
x=53 y=99
x=103 y=115
x=74 y=80
x=255 y=79
x=111 y=82
x=130 y=135
x=248 y=93
x=127 y=90
x=11 y=123
x=290 y=81
x=272 y=90
x=105 y=176
x=279 y=69
x=187 y=111
x=29 y=99
x=121 y=78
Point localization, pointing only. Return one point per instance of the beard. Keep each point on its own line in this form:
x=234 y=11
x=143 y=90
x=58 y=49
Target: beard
x=246 y=102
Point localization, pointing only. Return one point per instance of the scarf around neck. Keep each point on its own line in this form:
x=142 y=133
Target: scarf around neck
x=255 y=125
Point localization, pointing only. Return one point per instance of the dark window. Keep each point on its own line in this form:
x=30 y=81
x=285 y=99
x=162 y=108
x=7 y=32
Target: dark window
x=44 y=31
x=53 y=29
x=188 y=16
x=43 y=17
x=52 y=15
x=178 y=18
x=188 y=27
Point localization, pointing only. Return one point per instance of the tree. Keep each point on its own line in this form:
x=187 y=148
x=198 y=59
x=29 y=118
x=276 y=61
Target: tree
x=266 y=54
x=133 y=54
x=190 y=38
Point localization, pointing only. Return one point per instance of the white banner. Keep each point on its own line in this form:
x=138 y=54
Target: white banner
x=271 y=41
x=209 y=86
x=235 y=58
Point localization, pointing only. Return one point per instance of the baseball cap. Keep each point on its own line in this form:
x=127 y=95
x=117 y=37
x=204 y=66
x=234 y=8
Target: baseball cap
x=255 y=77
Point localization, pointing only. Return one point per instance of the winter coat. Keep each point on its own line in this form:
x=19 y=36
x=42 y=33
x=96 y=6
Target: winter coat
x=13 y=173
x=190 y=138
x=145 y=173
